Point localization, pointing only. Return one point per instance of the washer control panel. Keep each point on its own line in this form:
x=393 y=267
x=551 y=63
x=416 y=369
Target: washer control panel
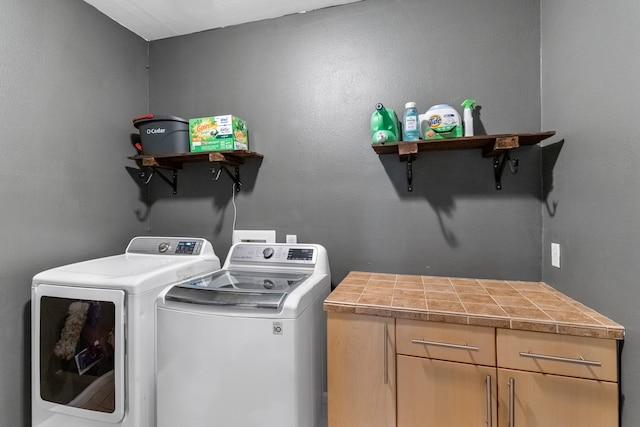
x=165 y=246
x=274 y=253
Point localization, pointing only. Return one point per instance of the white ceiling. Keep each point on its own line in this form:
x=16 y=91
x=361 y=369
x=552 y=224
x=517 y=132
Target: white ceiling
x=158 y=19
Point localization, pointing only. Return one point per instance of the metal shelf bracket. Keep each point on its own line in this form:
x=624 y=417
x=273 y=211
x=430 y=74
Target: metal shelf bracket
x=499 y=163
x=234 y=177
x=407 y=152
x=147 y=176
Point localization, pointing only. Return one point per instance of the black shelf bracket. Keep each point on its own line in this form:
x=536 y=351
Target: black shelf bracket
x=408 y=152
x=499 y=163
x=234 y=177
x=147 y=176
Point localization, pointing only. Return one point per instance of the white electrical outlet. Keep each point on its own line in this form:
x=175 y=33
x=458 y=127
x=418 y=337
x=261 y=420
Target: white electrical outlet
x=555 y=255
x=292 y=238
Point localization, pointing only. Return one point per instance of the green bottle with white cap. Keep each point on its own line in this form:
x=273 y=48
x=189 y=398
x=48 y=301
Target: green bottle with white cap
x=384 y=125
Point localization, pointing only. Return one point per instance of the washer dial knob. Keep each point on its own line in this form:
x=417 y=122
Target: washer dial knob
x=268 y=284
x=163 y=247
x=267 y=253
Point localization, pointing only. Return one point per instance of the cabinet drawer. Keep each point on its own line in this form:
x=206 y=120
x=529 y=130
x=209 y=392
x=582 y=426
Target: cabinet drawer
x=446 y=341
x=581 y=357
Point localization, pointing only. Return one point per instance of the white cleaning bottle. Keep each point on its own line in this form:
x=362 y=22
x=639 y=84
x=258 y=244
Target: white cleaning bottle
x=469 y=105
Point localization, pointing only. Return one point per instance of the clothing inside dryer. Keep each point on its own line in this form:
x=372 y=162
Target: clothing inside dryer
x=76 y=353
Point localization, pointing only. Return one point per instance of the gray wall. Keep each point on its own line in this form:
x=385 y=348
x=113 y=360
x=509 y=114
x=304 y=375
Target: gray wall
x=307 y=85
x=590 y=82
x=71 y=80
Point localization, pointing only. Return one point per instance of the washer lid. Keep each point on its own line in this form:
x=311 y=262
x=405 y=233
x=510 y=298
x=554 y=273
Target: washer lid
x=241 y=289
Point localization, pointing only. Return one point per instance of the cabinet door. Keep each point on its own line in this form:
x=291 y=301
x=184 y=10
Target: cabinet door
x=434 y=393
x=361 y=371
x=528 y=399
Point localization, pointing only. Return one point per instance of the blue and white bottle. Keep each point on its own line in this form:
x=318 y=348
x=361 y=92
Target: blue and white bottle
x=410 y=124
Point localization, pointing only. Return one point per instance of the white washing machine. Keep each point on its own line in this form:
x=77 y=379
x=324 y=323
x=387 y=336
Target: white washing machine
x=93 y=332
x=246 y=346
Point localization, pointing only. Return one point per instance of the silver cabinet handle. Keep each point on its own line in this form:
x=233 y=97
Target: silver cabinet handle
x=386 y=353
x=580 y=360
x=489 y=411
x=448 y=345
x=512 y=410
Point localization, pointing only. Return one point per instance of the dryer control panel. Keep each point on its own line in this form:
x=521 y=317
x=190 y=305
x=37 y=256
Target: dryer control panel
x=166 y=246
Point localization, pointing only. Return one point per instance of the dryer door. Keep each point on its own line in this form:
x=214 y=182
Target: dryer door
x=78 y=351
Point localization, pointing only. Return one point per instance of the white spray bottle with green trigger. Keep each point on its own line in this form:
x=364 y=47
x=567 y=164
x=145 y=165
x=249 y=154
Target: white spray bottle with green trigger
x=469 y=105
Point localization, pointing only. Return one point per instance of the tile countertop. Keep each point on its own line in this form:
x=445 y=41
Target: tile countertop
x=529 y=306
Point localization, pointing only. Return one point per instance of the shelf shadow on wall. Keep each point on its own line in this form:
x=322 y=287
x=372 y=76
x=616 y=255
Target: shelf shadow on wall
x=438 y=178
x=550 y=154
x=442 y=176
x=194 y=180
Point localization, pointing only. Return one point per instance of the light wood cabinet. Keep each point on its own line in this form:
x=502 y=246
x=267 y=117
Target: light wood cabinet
x=466 y=375
x=361 y=370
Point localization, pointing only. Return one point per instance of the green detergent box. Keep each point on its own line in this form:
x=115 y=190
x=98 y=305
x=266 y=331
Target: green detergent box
x=218 y=133
x=440 y=122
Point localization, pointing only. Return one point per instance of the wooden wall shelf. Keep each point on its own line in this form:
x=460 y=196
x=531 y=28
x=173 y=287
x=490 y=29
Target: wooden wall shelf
x=491 y=145
x=176 y=161
x=496 y=146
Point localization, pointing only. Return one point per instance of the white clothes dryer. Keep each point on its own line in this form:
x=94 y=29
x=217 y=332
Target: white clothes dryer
x=93 y=332
x=246 y=346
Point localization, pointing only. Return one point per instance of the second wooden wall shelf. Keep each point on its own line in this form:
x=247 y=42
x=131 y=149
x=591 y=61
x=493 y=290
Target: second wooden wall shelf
x=496 y=146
